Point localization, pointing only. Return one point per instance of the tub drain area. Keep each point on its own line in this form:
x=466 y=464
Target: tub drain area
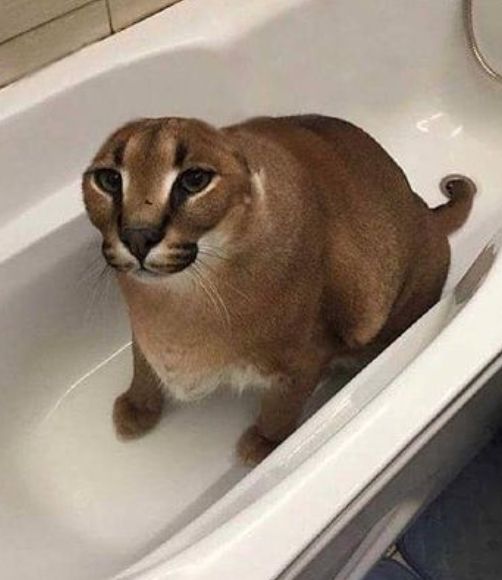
x=454 y=181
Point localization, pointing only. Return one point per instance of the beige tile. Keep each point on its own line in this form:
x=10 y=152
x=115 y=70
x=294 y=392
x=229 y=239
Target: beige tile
x=125 y=12
x=51 y=41
x=17 y=16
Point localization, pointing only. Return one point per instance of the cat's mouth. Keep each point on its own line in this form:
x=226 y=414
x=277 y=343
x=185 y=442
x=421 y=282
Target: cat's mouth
x=161 y=270
x=177 y=259
x=146 y=273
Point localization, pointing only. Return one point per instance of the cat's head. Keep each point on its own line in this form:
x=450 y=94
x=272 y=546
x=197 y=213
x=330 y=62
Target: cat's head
x=159 y=188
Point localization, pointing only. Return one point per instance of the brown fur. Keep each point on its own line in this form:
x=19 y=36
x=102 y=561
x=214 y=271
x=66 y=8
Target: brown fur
x=312 y=246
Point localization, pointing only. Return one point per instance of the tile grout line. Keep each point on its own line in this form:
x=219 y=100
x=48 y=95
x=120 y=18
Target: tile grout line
x=109 y=12
x=27 y=31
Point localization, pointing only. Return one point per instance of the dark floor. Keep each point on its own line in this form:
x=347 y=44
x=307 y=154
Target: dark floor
x=459 y=536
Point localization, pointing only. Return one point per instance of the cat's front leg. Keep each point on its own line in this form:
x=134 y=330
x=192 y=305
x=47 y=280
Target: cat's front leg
x=281 y=408
x=139 y=409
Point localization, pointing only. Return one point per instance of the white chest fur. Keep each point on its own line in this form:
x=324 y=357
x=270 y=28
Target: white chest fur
x=189 y=385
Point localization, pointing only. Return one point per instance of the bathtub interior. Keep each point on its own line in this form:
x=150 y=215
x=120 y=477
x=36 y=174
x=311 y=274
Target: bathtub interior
x=77 y=503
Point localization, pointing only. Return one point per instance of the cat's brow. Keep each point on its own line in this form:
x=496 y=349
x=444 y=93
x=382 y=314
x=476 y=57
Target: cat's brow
x=118 y=153
x=180 y=154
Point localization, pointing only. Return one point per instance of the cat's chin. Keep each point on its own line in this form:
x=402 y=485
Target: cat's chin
x=146 y=276
x=149 y=275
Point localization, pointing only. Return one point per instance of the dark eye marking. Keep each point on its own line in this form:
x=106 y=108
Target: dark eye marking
x=180 y=155
x=188 y=183
x=109 y=181
x=118 y=154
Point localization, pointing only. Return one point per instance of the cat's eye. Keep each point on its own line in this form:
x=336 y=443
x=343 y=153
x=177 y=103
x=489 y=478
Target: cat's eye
x=109 y=180
x=196 y=179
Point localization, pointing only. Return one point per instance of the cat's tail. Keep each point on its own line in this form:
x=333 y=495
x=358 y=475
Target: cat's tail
x=452 y=215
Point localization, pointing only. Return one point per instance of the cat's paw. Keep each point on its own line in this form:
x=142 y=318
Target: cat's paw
x=132 y=420
x=253 y=447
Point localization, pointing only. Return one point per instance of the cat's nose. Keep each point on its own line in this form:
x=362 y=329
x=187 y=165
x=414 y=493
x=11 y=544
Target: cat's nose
x=141 y=240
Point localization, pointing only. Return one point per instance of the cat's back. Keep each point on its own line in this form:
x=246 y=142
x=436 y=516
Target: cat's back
x=312 y=138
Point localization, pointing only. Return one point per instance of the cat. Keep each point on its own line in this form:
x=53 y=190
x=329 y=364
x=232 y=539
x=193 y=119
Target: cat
x=257 y=254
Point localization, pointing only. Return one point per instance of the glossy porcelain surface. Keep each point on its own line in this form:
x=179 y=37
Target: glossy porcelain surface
x=78 y=504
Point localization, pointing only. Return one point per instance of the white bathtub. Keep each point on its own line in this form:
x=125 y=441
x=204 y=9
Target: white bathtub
x=75 y=503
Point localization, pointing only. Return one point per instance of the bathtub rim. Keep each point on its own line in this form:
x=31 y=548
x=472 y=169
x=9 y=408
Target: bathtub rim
x=182 y=25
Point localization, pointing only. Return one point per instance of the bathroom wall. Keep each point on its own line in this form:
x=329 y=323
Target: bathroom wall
x=34 y=33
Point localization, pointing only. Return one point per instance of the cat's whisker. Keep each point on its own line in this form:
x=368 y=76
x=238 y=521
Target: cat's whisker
x=212 y=290
x=91 y=269
x=218 y=296
x=98 y=291
x=226 y=282
x=219 y=253
x=213 y=252
x=200 y=281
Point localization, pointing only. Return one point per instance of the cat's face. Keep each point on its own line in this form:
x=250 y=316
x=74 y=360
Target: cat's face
x=158 y=187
